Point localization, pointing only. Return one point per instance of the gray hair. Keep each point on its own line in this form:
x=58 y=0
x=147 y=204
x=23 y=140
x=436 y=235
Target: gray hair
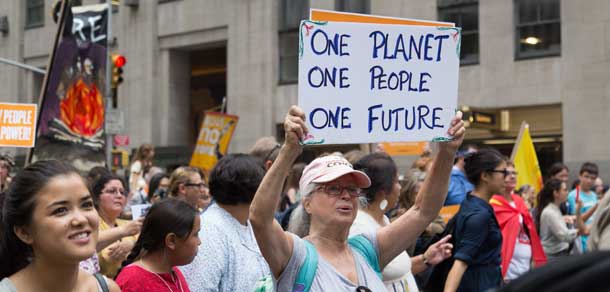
x=300 y=220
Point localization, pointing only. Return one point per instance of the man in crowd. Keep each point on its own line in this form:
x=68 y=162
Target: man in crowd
x=585 y=193
x=459 y=185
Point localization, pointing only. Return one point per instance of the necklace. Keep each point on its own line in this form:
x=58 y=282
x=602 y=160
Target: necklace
x=163 y=280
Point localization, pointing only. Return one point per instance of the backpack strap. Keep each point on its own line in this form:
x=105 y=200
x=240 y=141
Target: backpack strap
x=365 y=247
x=100 y=280
x=307 y=271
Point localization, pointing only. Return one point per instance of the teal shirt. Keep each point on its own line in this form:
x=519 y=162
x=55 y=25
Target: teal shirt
x=589 y=199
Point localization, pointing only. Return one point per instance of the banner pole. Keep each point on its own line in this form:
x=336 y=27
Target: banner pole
x=108 y=99
x=518 y=141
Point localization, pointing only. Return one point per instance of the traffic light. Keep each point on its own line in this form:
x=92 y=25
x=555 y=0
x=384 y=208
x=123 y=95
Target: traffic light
x=118 y=61
x=120 y=159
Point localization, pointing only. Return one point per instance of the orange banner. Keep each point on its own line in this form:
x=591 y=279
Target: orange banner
x=17 y=125
x=448 y=212
x=214 y=138
x=329 y=15
x=404 y=148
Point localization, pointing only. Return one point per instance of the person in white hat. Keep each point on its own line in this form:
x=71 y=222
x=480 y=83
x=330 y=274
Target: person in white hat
x=331 y=189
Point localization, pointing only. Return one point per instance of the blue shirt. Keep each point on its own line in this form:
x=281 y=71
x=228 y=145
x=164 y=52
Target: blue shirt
x=589 y=199
x=459 y=186
x=478 y=242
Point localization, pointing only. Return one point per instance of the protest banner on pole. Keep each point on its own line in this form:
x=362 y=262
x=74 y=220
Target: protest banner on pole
x=70 y=125
x=17 y=125
x=214 y=137
x=367 y=83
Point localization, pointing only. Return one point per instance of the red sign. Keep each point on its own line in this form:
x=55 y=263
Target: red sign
x=121 y=140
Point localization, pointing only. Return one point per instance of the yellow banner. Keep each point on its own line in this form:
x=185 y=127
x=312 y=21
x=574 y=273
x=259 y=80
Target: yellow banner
x=214 y=138
x=526 y=161
x=17 y=125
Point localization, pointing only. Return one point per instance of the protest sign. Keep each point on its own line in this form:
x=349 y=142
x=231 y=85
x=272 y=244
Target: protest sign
x=70 y=125
x=17 y=125
x=139 y=210
x=214 y=138
x=404 y=148
x=367 y=83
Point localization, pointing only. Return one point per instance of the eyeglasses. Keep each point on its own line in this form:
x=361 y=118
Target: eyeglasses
x=336 y=190
x=505 y=171
x=115 y=192
x=363 y=289
x=199 y=185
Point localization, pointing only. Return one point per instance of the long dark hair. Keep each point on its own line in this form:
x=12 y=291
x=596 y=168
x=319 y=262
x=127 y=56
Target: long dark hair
x=382 y=171
x=546 y=196
x=155 y=180
x=17 y=210
x=168 y=216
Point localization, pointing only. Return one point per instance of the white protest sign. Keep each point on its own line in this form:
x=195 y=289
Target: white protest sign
x=368 y=83
x=139 y=210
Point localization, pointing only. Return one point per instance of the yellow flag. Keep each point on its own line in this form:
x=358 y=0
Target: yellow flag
x=526 y=161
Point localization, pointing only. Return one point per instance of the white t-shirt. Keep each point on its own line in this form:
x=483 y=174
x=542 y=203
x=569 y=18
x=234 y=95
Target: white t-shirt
x=522 y=255
x=397 y=274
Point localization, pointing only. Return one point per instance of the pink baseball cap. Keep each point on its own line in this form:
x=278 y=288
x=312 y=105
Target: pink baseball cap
x=329 y=168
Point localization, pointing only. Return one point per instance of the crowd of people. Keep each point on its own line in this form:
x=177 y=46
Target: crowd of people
x=265 y=221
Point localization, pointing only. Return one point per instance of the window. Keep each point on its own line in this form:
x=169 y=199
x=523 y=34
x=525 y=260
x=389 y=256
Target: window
x=291 y=14
x=34 y=13
x=538 y=29
x=465 y=14
x=356 y=6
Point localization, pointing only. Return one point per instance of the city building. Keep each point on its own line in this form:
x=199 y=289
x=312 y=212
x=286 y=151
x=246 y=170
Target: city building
x=543 y=61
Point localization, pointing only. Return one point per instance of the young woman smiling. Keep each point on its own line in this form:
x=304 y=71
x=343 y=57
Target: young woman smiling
x=49 y=225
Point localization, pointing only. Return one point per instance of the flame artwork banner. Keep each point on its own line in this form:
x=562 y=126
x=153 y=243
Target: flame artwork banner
x=71 y=123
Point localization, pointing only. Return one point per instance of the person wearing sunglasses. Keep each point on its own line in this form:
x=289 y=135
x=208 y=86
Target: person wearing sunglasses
x=520 y=241
x=477 y=236
x=117 y=236
x=331 y=190
x=186 y=184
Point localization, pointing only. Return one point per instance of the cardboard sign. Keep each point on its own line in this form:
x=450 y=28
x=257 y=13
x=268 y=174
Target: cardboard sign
x=17 y=125
x=214 y=138
x=367 y=83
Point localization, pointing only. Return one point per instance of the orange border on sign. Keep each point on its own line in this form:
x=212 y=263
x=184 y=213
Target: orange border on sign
x=329 y=15
x=32 y=125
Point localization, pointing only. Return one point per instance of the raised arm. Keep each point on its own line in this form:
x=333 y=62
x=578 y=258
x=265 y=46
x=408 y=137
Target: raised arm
x=275 y=244
x=396 y=237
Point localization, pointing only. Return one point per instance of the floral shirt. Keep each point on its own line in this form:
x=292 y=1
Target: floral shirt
x=228 y=258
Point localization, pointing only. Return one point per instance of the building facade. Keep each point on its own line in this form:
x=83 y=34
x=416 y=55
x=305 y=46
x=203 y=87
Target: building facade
x=546 y=62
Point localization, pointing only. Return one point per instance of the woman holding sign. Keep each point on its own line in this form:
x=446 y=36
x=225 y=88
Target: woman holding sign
x=326 y=260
